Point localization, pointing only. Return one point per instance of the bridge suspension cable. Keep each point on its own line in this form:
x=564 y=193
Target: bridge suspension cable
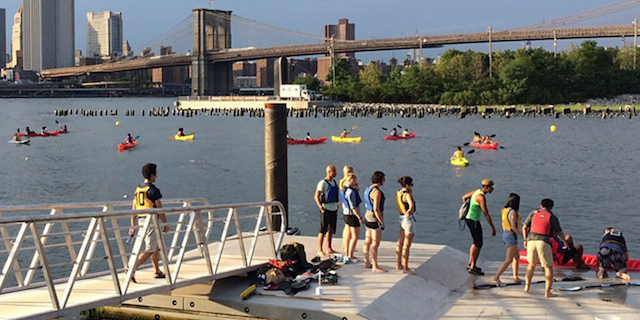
x=186 y=25
x=591 y=14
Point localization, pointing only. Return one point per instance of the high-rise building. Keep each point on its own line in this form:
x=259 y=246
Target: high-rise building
x=126 y=49
x=341 y=31
x=3 y=39
x=104 y=34
x=16 y=40
x=48 y=34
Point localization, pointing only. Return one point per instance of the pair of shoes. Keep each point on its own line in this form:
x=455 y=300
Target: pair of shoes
x=354 y=260
x=339 y=257
x=474 y=268
x=347 y=260
x=476 y=272
x=316 y=259
x=160 y=275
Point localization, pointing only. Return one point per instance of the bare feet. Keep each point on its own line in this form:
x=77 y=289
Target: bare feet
x=399 y=267
x=497 y=280
x=378 y=270
x=623 y=276
x=322 y=254
x=526 y=287
x=517 y=280
x=331 y=251
x=548 y=294
x=409 y=271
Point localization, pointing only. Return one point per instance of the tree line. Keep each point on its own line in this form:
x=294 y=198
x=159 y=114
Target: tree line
x=523 y=76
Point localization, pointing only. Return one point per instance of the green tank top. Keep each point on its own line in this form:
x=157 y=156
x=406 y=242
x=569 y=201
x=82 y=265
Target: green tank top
x=474 y=208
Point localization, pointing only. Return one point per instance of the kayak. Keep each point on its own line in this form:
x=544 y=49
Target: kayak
x=346 y=140
x=185 y=137
x=492 y=145
x=589 y=259
x=20 y=142
x=411 y=135
x=125 y=146
x=460 y=162
x=312 y=141
x=35 y=134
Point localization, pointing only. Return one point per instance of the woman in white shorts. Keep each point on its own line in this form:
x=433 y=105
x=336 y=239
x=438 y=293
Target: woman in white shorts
x=406 y=209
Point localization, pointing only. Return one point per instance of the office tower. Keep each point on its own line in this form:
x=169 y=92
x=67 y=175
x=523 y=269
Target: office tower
x=48 y=34
x=341 y=31
x=3 y=39
x=104 y=34
x=16 y=41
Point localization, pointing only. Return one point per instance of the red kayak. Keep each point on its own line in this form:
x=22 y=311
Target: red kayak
x=492 y=145
x=35 y=134
x=589 y=259
x=125 y=146
x=312 y=141
x=411 y=135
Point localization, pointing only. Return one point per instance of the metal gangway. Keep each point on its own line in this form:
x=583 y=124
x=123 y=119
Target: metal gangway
x=63 y=259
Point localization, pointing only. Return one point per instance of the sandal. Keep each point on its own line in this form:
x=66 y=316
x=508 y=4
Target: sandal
x=160 y=275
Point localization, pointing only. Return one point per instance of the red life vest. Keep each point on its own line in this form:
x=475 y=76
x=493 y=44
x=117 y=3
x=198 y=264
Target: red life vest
x=556 y=250
x=541 y=222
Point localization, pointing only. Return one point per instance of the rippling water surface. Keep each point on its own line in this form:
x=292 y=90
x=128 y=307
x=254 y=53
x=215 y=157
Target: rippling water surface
x=589 y=166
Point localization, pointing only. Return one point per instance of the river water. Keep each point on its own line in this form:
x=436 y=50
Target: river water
x=589 y=166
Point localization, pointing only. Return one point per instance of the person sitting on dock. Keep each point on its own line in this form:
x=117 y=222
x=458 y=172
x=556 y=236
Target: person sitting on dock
x=147 y=196
x=477 y=138
x=613 y=254
x=458 y=154
x=405 y=132
x=181 y=132
x=344 y=133
x=562 y=255
x=393 y=132
x=44 y=130
x=129 y=139
x=308 y=137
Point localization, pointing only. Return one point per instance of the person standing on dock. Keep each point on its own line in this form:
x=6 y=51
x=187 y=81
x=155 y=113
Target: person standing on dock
x=511 y=224
x=147 y=196
x=406 y=209
x=537 y=230
x=478 y=205
x=374 y=220
x=352 y=218
x=326 y=198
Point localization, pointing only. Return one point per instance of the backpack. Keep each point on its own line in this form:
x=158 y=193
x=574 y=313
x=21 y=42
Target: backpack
x=462 y=212
x=332 y=193
x=294 y=251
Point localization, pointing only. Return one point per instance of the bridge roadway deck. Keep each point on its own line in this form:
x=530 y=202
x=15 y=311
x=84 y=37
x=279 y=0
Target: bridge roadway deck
x=96 y=292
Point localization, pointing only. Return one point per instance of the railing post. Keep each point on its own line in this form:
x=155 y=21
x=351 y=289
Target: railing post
x=110 y=261
x=256 y=231
x=162 y=247
x=48 y=278
x=13 y=254
x=174 y=240
x=94 y=243
x=240 y=238
x=185 y=241
x=205 y=243
x=133 y=258
x=80 y=260
x=9 y=247
x=223 y=240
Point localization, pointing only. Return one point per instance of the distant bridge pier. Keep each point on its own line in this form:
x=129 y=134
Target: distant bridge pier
x=211 y=32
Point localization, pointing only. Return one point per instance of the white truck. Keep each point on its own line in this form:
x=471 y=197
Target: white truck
x=296 y=92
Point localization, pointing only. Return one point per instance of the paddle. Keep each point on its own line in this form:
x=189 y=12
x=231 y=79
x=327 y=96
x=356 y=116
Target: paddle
x=477 y=134
x=501 y=147
x=466 y=144
x=495 y=285
x=471 y=151
x=385 y=129
x=492 y=136
x=399 y=126
x=595 y=286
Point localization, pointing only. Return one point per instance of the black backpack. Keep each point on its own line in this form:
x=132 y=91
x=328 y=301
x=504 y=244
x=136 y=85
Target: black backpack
x=294 y=251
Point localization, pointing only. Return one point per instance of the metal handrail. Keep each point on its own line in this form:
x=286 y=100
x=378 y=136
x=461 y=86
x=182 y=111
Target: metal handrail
x=190 y=223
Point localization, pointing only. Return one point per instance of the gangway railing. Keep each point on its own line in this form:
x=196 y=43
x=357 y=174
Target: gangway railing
x=63 y=245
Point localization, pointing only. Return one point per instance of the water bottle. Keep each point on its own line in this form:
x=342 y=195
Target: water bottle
x=132 y=235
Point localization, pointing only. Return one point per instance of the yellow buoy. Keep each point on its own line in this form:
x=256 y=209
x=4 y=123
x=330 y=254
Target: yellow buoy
x=117 y=123
x=553 y=128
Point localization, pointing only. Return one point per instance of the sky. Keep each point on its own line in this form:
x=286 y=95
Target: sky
x=145 y=20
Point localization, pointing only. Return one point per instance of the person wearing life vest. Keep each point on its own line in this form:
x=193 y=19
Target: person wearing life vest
x=511 y=224
x=346 y=171
x=128 y=139
x=308 y=137
x=326 y=198
x=478 y=206
x=405 y=132
x=374 y=221
x=537 y=230
x=562 y=256
x=393 y=132
x=147 y=196
x=477 y=138
x=613 y=254
x=351 y=214
x=344 y=133
x=181 y=132
x=406 y=210
x=458 y=154
x=44 y=130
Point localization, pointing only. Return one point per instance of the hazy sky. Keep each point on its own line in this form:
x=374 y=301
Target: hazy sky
x=147 y=19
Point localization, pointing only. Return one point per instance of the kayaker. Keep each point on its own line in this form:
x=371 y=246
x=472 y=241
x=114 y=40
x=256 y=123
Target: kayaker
x=477 y=138
x=486 y=140
x=511 y=224
x=406 y=210
x=351 y=215
x=393 y=132
x=562 y=256
x=537 y=230
x=288 y=136
x=64 y=129
x=180 y=132
x=405 y=132
x=458 y=154
x=344 y=133
x=28 y=130
x=147 y=196
x=346 y=172
x=308 y=137
x=477 y=206
x=16 y=137
x=613 y=254
x=129 y=139
x=44 y=130
x=326 y=198
x=374 y=220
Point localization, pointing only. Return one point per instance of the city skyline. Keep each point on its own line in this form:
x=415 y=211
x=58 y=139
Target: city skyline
x=407 y=18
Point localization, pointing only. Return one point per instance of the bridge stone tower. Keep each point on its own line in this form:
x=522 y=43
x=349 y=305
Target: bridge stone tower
x=211 y=32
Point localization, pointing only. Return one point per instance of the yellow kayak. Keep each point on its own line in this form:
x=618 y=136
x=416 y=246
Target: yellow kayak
x=460 y=162
x=185 y=138
x=347 y=140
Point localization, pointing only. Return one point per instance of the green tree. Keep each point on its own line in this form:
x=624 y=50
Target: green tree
x=311 y=82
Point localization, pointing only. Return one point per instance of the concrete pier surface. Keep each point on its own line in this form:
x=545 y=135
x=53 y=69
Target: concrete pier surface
x=442 y=289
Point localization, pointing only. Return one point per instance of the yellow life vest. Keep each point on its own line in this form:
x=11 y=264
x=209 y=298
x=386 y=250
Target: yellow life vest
x=506 y=224
x=402 y=207
x=141 y=201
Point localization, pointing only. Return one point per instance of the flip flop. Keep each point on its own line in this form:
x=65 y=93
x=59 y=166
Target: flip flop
x=159 y=275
